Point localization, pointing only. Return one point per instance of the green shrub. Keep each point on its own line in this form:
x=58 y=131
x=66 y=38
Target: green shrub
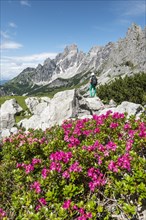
x=85 y=169
x=130 y=88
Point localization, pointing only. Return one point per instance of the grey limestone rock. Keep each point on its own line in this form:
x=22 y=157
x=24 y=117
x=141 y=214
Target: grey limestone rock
x=10 y=106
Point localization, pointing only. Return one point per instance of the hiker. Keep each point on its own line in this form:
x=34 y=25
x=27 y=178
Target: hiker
x=93 y=83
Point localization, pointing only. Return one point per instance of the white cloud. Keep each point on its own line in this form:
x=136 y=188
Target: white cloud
x=137 y=8
x=4 y=34
x=10 y=45
x=12 y=66
x=25 y=3
x=127 y=11
x=12 y=24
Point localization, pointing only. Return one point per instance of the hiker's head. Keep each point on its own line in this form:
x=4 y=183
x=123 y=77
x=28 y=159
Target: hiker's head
x=92 y=74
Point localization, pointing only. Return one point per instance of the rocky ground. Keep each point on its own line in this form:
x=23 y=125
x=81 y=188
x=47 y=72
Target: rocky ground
x=46 y=112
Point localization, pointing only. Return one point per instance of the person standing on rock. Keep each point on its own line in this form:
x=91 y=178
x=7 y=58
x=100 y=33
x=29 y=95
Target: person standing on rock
x=93 y=84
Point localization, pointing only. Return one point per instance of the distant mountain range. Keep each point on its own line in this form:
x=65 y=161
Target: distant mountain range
x=72 y=68
x=3 y=82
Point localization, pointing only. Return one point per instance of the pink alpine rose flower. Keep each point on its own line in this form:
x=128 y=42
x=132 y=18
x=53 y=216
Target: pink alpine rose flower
x=66 y=204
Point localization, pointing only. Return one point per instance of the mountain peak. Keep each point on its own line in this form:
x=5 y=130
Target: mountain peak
x=134 y=29
x=72 y=47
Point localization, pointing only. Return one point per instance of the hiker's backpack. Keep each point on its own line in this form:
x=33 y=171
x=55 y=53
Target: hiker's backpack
x=94 y=81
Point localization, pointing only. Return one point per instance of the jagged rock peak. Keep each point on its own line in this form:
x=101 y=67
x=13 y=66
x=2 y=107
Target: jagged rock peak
x=94 y=50
x=133 y=30
x=72 y=47
x=39 y=67
x=28 y=69
x=47 y=61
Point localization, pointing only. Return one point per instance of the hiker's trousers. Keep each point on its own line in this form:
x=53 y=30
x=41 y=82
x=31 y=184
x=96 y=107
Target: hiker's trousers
x=92 y=90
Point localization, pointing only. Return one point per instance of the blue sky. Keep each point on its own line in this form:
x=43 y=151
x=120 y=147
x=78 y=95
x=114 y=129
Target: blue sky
x=32 y=30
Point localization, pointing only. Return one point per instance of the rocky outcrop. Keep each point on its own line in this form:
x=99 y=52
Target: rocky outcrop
x=37 y=105
x=7 y=120
x=127 y=56
x=10 y=106
x=64 y=105
x=61 y=107
x=125 y=107
x=7 y=113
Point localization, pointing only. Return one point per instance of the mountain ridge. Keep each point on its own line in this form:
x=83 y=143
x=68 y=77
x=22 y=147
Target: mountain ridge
x=124 y=57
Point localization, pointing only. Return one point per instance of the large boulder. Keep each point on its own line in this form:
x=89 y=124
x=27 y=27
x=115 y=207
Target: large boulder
x=95 y=104
x=7 y=116
x=33 y=122
x=129 y=107
x=7 y=120
x=89 y=106
x=37 y=105
x=61 y=107
x=10 y=106
x=7 y=132
x=31 y=103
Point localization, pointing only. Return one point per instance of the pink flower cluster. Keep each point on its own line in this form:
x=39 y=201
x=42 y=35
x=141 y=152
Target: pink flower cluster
x=100 y=119
x=73 y=142
x=66 y=204
x=71 y=135
x=113 y=166
x=2 y=213
x=55 y=166
x=83 y=214
x=117 y=115
x=45 y=172
x=75 y=167
x=142 y=128
x=29 y=167
x=129 y=144
x=122 y=162
x=36 y=186
x=111 y=146
x=57 y=157
x=61 y=156
x=127 y=126
x=105 y=149
x=114 y=125
x=42 y=202
x=97 y=177
x=25 y=138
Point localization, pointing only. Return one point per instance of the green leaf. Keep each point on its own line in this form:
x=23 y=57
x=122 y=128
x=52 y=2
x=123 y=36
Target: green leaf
x=100 y=208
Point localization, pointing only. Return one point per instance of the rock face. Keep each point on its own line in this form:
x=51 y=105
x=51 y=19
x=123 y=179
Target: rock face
x=61 y=107
x=124 y=57
x=127 y=56
x=128 y=107
x=36 y=105
x=10 y=106
x=7 y=120
x=7 y=112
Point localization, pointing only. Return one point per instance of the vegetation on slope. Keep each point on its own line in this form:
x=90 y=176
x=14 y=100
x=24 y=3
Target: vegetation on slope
x=130 y=88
